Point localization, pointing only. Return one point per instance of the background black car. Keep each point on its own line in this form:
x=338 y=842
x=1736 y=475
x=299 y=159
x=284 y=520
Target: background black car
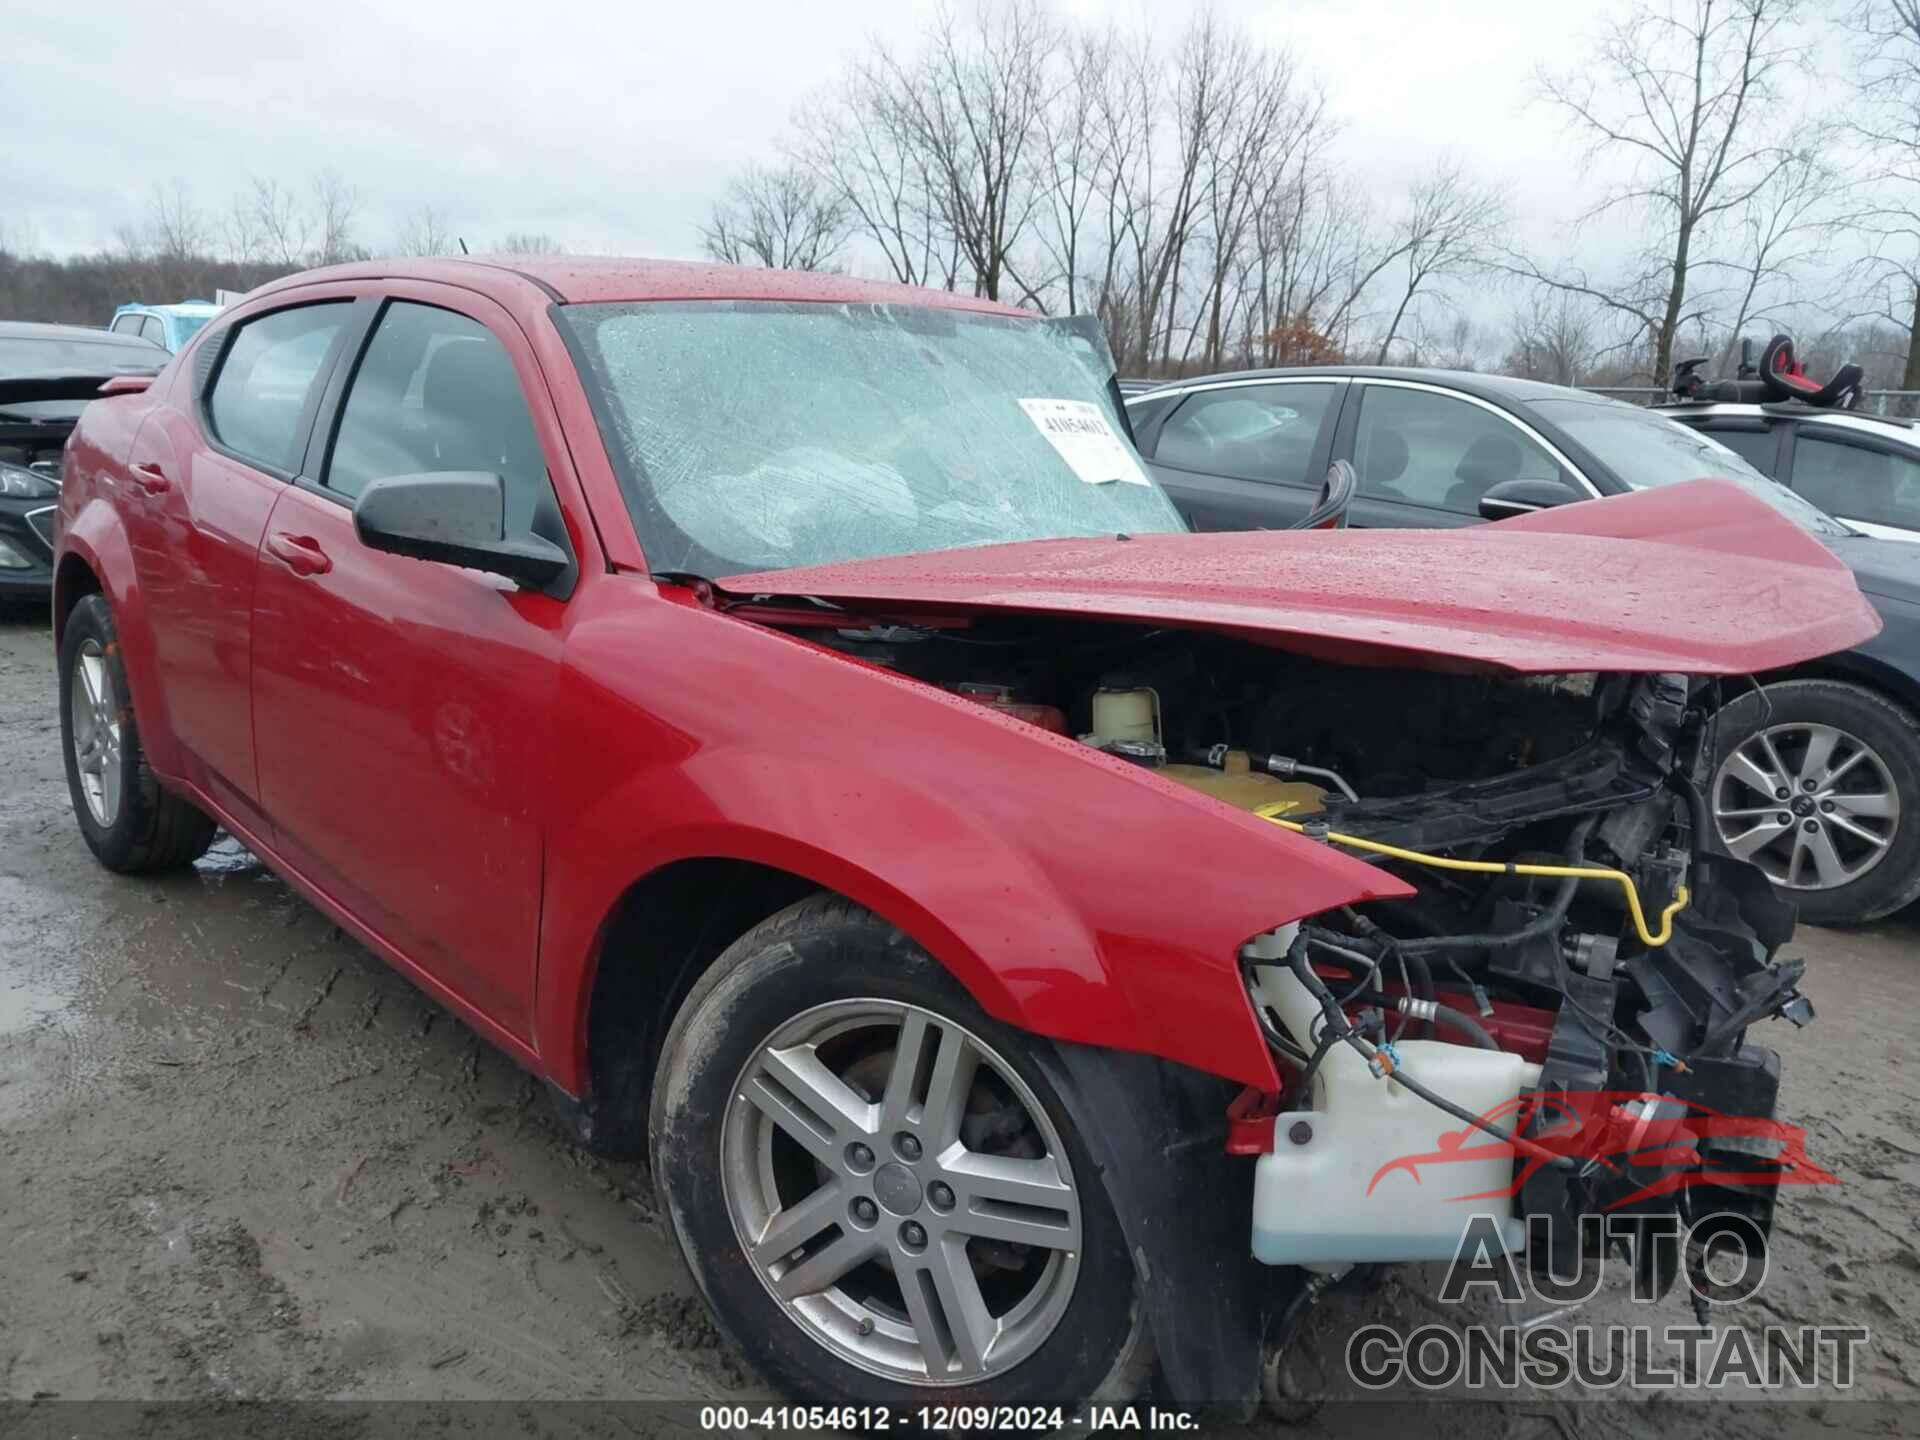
x=48 y=373
x=1818 y=776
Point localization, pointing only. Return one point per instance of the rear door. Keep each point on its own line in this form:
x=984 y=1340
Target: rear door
x=404 y=708
x=1869 y=481
x=1424 y=456
x=202 y=476
x=1246 y=455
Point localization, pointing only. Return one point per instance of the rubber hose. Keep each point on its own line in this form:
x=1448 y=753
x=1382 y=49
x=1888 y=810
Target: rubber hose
x=1442 y=1015
x=1548 y=921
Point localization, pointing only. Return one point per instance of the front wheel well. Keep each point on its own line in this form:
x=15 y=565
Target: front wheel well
x=667 y=929
x=1848 y=668
x=73 y=582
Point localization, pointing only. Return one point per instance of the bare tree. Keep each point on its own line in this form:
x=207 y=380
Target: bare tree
x=1450 y=228
x=1458 y=343
x=1262 y=117
x=240 y=231
x=177 y=228
x=336 y=205
x=787 y=218
x=1308 y=231
x=851 y=139
x=279 y=223
x=1556 y=337
x=1886 y=120
x=1164 y=193
x=1778 y=236
x=1670 y=89
x=529 y=242
x=425 y=232
x=969 y=108
x=1074 y=154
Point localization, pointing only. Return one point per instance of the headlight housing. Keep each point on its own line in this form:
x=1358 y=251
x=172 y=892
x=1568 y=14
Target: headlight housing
x=19 y=483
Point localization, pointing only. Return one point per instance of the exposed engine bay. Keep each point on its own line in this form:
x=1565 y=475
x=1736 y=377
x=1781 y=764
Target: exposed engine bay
x=1571 y=956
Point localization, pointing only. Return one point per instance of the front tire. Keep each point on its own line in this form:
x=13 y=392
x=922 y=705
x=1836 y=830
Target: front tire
x=882 y=1197
x=130 y=823
x=1817 y=782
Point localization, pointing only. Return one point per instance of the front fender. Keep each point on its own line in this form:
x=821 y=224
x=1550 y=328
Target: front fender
x=1072 y=894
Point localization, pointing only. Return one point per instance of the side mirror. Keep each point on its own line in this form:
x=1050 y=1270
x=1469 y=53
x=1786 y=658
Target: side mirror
x=457 y=517
x=1519 y=497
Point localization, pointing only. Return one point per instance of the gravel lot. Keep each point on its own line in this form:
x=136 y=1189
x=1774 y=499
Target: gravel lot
x=239 y=1157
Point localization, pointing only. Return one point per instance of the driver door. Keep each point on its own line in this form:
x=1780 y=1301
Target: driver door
x=403 y=709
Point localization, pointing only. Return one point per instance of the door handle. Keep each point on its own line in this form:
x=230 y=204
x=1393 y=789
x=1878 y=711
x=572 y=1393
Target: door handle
x=151 y=478
x=301 y=553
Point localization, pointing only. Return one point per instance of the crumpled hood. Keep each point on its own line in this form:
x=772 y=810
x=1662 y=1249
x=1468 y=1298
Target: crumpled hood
x=1699 y=578
x=68 y=384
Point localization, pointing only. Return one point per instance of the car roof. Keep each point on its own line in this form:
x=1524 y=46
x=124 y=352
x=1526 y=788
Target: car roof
x=182 y=307
x=86 y=334
x=1504 y=388
x=1789 y=410
x=594 y=279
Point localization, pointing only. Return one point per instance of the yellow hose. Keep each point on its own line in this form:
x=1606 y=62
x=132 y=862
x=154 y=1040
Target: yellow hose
x=1505 y=867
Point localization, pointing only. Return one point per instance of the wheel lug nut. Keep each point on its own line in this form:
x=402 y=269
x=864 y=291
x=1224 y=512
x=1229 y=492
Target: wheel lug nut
x=1785 y=818
x=865 y=1211
x=1811 y=827
x=1808 y=786
x=940 y=1195
x=913 y=1235
x=859 y=1157
x=1781 y=793
x=1827 y=806
x=907 y=1145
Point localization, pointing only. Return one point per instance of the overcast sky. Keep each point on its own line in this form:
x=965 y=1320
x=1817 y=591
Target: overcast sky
x=613 y=125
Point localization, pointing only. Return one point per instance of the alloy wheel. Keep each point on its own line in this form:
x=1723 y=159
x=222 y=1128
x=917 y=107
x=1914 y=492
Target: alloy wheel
x=1812 y=806
x=94 y=707
x=901 y=1193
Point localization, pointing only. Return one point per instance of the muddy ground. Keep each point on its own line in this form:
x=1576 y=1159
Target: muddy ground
x=239 y=1157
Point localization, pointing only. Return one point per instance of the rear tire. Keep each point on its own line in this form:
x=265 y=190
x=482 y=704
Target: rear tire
x=831 y=985
x=1865 y=820
x=128 y=820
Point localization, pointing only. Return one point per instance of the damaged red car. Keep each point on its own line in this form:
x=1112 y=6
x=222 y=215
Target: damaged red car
x=780 y=712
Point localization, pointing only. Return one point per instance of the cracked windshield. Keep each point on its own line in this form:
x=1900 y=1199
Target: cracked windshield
x=766 y=436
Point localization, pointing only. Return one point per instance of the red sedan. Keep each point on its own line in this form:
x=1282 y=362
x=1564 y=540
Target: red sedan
x=780 y=711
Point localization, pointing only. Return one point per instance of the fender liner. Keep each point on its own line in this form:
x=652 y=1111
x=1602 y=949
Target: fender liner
x=1157 y=1130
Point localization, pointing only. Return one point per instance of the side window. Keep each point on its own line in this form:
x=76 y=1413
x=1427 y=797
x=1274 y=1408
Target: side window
x=264 y=380
x=1759 y=448
x=128 y=325
x=436 y=390
x=1856 y=483
x=1257 y=432
x=152 y=329
x=1417 y=447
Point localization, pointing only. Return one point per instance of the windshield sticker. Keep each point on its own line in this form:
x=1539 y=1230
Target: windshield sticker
x=1080 y=431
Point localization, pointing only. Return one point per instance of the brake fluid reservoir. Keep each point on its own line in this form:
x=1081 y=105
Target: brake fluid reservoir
x=1371 y=1172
